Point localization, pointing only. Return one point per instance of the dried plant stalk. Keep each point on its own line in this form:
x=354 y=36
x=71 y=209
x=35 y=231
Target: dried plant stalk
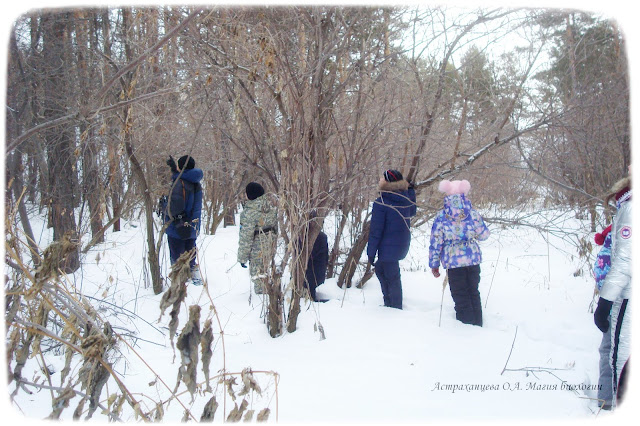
x=93 y=374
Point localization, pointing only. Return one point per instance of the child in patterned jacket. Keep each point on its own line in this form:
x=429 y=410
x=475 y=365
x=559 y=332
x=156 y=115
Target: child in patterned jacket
x=454 y=245
x=600 y=269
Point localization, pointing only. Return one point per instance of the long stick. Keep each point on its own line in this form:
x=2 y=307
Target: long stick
x=444 y=285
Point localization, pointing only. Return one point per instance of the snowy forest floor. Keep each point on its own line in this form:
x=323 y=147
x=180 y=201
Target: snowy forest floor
x=536 y=358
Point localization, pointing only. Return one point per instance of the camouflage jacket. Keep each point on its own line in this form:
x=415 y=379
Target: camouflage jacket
x=257 y=217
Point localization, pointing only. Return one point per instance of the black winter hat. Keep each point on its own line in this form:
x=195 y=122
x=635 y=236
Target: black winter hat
x=392 y=175
x=254 y=190
x=188 y=161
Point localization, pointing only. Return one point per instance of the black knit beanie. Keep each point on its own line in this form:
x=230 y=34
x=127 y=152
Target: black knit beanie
x=254 y=190
x=188 y=161
x=392 y=175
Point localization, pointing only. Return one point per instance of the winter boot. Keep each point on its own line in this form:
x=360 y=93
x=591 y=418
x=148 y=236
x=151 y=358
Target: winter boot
x=196 y=278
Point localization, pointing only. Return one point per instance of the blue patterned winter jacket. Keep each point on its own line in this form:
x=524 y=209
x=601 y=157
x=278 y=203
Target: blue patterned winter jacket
x=455 y=233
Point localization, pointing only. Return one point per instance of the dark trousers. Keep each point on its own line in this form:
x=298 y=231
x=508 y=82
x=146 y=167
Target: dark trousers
x=388 y=274
x=463 y=283
x=178 y=246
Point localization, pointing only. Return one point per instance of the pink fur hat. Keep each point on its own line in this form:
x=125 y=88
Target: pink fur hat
x=454 y=187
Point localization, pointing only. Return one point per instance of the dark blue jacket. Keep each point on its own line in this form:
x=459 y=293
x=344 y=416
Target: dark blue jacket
x=390 y=234
x=193 y=203
x=318 y=261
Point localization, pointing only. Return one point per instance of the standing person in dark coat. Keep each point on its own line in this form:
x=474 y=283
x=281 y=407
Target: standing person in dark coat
x=454 y=244
x=317 y=265
x=185 y=224
x=390 y=233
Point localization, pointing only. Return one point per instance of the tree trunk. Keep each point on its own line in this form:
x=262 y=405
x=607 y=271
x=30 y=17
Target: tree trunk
x=299 y=267
x=335 y=249
x=351 y=264
x=153 y=258
x=91 y=175
x=17 y=186
x=60 y=142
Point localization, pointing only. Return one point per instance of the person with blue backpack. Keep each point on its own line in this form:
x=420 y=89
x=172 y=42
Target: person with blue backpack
x=390 y=233
x=184 y=211
x=600 y=269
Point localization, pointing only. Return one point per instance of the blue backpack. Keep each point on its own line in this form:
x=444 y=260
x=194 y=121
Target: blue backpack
x=173 y=207
x=603 y=262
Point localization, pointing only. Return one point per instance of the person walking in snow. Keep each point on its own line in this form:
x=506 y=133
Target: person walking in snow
x=258 y=235
x=600 y=269
x=454 y=245
x=316 y=271
x=613 y=313
x=184 y=210
x=390 y=233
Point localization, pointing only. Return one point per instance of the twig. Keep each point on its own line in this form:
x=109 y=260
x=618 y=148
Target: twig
x=510 y=352
x=444 y=285
x=77 y=392
x=131 y=313
x=492 y=277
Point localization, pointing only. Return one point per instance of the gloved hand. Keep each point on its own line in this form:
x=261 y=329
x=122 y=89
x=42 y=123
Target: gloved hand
x=435 y=272
x=172 y=164
x=243 y=265
x=601 y=315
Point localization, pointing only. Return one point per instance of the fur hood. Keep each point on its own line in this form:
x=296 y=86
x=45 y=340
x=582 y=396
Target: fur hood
x=401 y=185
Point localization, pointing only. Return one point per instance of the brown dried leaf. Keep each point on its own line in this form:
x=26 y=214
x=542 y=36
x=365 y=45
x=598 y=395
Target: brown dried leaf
x=61 y=402
x=181 y=270
x=187 y=344
x=53 y=259
x=248 y=416
x=230 y=383
x=209 y=411
x=93 y=374
x=159 y=414
x=236 y=414
x=249 y=383
x=263 y=415
x=173 y=296
x=77 y=413
x=176 y=293
x=207 y=353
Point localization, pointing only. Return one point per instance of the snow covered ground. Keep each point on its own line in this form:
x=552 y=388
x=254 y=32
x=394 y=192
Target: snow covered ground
x=535 y=358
